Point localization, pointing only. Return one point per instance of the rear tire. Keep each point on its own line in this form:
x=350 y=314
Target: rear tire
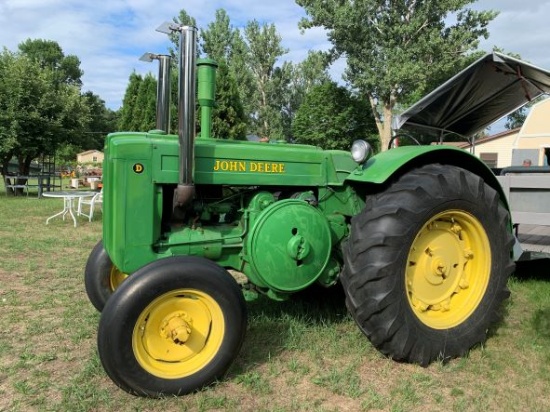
x=101 y=277
x=173 y=327
x=427 y=263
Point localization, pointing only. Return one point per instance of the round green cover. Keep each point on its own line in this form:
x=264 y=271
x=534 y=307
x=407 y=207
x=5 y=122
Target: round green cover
x=289 y=245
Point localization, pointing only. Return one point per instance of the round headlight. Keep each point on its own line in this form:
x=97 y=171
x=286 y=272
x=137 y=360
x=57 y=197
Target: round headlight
x=360 y=151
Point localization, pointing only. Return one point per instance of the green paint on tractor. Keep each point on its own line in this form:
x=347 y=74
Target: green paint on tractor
x=404 y=232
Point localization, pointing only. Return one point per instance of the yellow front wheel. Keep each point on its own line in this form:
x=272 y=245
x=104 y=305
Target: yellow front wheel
x=178 y=333
x=173 y=327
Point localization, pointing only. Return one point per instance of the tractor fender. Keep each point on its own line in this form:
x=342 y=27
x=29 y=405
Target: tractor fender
x=395 y=162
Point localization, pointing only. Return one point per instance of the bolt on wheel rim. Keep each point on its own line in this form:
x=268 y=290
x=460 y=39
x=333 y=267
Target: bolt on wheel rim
x=448 y=269
x=178 y=333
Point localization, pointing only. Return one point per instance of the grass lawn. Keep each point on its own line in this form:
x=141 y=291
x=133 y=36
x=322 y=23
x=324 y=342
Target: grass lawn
x=302 y=355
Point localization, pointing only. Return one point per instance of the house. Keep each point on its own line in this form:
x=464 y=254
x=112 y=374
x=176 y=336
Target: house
x=90 y=156
x=512 y=147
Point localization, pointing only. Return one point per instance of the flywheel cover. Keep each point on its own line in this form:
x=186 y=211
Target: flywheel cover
x=289 y=245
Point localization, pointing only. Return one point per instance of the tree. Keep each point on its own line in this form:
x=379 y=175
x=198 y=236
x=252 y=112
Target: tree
x=102 y=122
x=303 y=77
x=332 y=118
x=516 y=119
x=144 y=114
x=129 y=102
x=217 y=39
x=239 y=70
x=49 y=55
x=395 y=50
x=264 y=49
x=229 y=120
x=38 y=112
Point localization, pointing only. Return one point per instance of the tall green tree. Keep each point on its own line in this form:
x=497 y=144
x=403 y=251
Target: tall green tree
x=332 y=118
x=228 y=117
x=49 y=55
x=240 y=70
x=264 y=51
x=395 y=50
x=217 y=38
x=229 y=120
x=126 y=120
x=102 y=122
x=303 y=77
x=38 y=113
x=146 y=105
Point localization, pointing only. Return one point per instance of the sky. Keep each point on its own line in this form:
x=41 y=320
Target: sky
x=110 y=36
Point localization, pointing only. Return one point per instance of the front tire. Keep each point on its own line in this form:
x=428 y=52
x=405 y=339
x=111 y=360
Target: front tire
x=427 y=264
x=101 y=277
x=173 y=327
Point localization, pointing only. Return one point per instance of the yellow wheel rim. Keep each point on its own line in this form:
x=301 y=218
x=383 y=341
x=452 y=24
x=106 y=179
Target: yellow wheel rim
x=178 y=334
x=116 y=277
x=448 y=269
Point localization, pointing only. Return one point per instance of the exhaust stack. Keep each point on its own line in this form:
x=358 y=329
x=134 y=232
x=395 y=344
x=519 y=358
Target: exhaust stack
x=185 y=190
x=163 y=89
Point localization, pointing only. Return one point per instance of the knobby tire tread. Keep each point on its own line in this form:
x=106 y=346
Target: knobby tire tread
x=375 y=254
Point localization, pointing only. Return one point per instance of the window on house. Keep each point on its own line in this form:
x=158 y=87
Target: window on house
x=94 y=158
x=491 y=159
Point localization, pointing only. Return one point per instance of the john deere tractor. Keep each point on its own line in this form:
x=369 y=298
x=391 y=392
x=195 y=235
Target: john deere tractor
x=418 y=236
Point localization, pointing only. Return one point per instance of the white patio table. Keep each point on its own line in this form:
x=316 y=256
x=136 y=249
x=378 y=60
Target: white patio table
x=69 y=203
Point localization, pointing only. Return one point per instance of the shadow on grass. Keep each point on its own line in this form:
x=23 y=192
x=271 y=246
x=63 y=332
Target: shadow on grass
x=533 y=269
x=275 y=327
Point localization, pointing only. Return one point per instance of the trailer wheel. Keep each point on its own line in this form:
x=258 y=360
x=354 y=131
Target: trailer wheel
x=427 y=263
x=172 y=327
x=101 y=277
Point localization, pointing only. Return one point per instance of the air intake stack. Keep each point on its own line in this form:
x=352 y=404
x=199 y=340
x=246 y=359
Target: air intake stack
x=163 y=89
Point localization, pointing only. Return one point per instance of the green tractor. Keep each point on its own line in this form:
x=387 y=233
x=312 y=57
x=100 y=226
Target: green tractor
x=419 y=237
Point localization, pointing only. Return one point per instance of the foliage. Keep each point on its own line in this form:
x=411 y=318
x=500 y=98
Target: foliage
x=38 y=113
x=102 y=122
x=144 y=113
x=138 y=111
x=129 y=102
x=42 y=110
x=49 y=55
x=228 y=118
x=396 y=50
x=332 y=118
x=264 y=49
x=304 y=76
x=516 y=119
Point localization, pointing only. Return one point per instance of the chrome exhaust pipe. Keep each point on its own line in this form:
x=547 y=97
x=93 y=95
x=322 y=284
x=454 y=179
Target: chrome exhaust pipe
x=185 y=191
x=163 y=93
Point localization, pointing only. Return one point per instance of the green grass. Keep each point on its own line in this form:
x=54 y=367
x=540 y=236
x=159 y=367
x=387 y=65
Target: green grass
x=302 y=355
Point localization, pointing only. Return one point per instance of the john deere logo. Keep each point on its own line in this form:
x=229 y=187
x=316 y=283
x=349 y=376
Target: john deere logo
x=138 y=168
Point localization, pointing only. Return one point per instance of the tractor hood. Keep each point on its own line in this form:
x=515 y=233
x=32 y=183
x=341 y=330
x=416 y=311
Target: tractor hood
x=490 y=88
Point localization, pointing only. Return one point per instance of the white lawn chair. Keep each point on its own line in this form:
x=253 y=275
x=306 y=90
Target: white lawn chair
x=91 y=202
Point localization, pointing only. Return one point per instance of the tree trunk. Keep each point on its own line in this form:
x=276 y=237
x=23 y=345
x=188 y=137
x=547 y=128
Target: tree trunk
x=5 y=172
x=386 y=134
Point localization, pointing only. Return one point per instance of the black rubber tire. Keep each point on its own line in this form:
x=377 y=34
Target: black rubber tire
x=376 y=257
x=129 y=302
x=97 y=276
